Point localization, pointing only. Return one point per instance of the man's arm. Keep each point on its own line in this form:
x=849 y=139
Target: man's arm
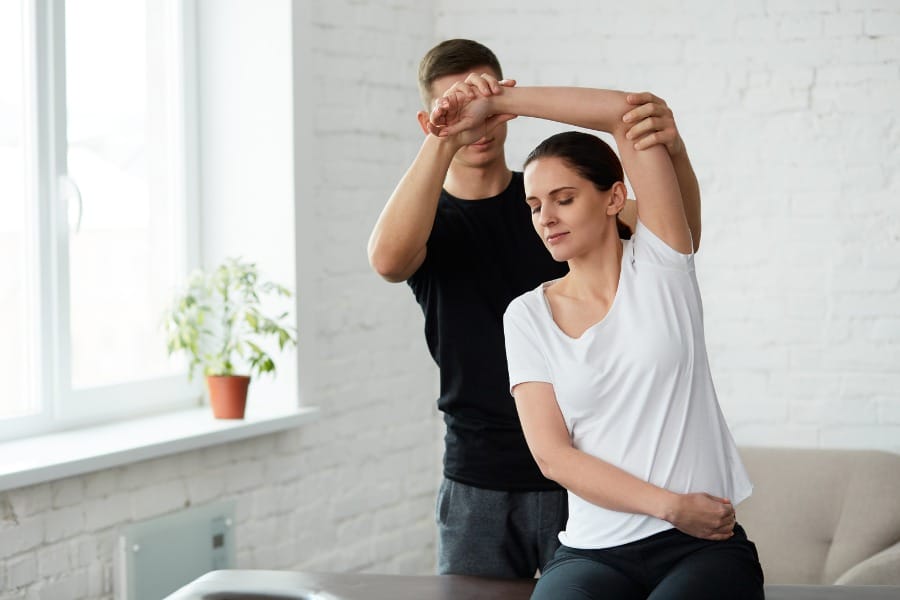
x=654 y=123
x=397 y=244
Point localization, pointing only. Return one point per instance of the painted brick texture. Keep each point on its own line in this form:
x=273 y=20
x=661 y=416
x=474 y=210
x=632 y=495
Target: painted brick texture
x=789 y=110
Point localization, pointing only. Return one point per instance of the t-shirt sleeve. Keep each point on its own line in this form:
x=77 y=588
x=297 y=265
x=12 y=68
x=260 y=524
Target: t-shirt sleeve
x=649 y=248
x=435 y=251
x=524 y=352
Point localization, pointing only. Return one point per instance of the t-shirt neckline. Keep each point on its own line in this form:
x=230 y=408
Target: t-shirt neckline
x=542 y=289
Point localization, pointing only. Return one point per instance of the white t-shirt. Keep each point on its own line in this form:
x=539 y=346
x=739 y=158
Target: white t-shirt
x=635 y=389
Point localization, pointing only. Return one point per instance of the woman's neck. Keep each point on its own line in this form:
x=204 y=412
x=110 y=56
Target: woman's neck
x=595 y=275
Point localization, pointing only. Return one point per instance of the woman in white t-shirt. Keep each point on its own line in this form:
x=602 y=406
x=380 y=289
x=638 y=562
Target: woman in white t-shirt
x=608 y=365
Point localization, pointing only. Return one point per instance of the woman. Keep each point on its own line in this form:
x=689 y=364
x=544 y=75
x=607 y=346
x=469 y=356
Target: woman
x=608 y=365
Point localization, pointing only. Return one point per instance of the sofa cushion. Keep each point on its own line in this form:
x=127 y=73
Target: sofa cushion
x=870 y=517
x=884 y=568
x=816 y=513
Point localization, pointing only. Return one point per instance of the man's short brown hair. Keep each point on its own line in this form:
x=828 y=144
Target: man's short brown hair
x=452 y=57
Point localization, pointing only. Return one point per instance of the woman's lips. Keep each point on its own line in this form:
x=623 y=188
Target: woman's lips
x=555 y=238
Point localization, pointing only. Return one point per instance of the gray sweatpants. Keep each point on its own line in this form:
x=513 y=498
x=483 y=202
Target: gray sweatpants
x=494 y=533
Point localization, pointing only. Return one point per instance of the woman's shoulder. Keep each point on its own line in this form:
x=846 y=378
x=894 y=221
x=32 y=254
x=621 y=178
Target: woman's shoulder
x=647 y=247
x=529 y=304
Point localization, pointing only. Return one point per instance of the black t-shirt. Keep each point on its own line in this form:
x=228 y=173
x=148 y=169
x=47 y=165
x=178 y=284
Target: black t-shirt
x=481 y=254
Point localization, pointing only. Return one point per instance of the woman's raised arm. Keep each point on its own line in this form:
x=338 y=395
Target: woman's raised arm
x=650 y=171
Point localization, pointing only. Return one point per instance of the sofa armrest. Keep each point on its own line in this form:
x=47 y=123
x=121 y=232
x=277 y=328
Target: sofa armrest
x=880 y=569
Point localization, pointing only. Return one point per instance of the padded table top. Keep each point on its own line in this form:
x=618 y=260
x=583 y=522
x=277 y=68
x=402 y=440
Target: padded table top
x=290 y=585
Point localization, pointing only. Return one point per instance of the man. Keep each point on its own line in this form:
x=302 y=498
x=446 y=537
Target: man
x=457 y=229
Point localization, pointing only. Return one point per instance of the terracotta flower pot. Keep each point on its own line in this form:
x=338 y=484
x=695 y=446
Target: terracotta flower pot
x=228 y=395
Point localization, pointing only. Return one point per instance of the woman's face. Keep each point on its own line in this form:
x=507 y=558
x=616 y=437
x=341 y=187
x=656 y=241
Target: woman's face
x=569 y=213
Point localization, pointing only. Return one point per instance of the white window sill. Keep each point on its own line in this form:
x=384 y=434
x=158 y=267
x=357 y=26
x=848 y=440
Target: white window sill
x=58 y=455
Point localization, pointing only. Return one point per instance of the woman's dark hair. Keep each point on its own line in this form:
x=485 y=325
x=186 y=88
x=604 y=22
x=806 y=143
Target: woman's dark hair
x=590 y=157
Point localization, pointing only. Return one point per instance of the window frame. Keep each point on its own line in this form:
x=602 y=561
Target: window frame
x=49 y=191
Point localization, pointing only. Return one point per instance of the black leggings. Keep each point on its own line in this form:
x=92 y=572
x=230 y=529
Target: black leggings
x=668 y=565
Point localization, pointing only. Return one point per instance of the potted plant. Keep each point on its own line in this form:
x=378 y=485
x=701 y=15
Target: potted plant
x=218 y=322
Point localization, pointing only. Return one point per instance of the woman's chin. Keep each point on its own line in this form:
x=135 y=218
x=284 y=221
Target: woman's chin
x=558 y=254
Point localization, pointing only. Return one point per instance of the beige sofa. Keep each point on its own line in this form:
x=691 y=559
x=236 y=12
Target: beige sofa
x=824 y=516
x=817 y=516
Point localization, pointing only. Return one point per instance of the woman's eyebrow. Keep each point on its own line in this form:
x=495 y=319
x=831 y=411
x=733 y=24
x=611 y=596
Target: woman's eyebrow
x=552 y=192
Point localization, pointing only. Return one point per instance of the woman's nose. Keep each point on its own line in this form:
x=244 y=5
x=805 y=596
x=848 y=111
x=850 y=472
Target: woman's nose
x=548 y=217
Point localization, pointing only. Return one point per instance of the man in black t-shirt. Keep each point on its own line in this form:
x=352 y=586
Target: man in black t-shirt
x=458 y=231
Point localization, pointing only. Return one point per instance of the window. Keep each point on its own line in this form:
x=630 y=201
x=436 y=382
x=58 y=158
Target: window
x=95 y=161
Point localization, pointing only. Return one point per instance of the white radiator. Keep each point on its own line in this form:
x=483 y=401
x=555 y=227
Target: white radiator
x=158 y=556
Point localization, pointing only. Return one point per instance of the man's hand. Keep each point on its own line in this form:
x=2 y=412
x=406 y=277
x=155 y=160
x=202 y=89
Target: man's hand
x=465 y=109
x=652 y=123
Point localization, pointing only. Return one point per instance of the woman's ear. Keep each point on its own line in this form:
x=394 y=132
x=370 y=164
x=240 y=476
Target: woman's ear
x=422 y=117
x=617 y=197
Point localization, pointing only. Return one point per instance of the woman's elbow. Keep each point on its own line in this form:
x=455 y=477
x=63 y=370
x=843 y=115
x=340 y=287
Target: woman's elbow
x=549 y=468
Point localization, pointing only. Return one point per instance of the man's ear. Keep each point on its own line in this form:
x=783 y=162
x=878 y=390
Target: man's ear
x=617 y=197
x=422 y=117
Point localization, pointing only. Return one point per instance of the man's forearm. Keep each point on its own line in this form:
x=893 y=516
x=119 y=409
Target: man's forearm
x=397 y=244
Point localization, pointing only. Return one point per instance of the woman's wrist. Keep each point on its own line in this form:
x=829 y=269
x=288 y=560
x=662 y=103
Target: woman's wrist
x=667 y=505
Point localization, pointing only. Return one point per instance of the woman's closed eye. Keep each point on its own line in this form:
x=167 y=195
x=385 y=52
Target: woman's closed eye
x=536 y=207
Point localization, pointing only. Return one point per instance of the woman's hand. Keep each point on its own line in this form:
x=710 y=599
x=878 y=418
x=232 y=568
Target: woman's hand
x=652 y=123
x=702 y=516
x=465 y=109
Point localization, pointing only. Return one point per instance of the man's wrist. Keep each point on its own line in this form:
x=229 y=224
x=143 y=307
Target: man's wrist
x=448 y=145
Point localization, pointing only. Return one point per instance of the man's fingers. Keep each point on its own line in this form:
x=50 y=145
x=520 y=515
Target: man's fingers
x=475 y=80
x=495 y=120
x=648 y=141
x=644 y=127
x=507 y=82
x=651 y=109
x=455 y=128
x=643 y=98
x=460 y=87
x=636 y=114
x=492 y=82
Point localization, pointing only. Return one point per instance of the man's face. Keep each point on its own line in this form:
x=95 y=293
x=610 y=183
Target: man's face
x=486 y=150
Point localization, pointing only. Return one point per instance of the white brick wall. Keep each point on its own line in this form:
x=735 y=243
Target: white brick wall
x=790 y=111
